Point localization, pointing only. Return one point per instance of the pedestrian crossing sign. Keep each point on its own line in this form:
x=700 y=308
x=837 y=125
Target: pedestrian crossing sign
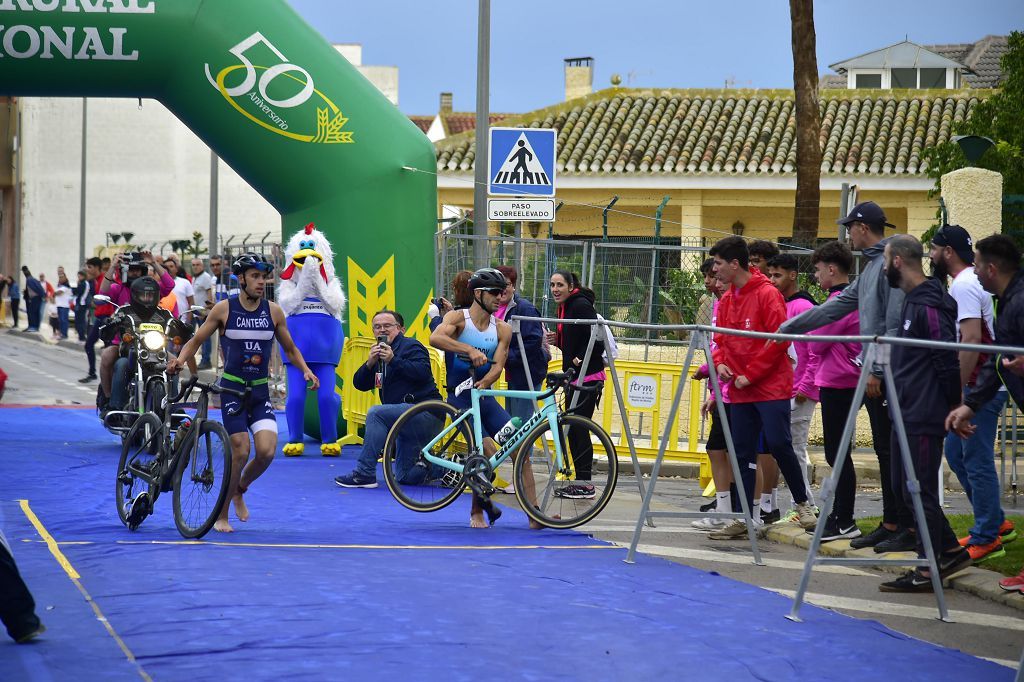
x=522 y=161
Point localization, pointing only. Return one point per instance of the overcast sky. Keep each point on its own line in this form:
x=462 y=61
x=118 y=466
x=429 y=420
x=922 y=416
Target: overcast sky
x=649 y=43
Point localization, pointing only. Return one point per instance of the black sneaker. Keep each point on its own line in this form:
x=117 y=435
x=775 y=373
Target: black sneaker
x=954 y=563
x=905 y=540
x=576 y=491
x=771 y=517
x=911 y=581
x=88 y=378
x=356 y=480
x=31 y=634
x=873 y=538
x=838 y=531
x=713 y=504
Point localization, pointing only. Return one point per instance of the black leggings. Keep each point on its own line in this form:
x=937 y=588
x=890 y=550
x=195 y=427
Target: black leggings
x=15 y=302
x=835 y=407
x=579 y=439
x=17 y=608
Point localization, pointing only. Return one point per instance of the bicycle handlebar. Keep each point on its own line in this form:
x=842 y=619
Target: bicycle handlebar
x=213 y=388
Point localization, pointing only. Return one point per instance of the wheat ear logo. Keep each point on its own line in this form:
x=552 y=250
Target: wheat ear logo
x=267 y=95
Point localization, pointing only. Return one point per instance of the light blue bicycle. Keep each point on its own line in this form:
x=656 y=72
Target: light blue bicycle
x=434 y=451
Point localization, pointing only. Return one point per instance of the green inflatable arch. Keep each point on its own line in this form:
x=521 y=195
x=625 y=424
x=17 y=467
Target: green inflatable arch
x=273 y=99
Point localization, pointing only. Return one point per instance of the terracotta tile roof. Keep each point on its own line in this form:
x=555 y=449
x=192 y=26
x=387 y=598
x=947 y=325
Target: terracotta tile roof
x=735 y=131
x=460 y=122
x=422 y=122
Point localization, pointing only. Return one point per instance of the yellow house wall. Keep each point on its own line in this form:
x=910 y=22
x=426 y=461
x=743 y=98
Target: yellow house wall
x=766 y=214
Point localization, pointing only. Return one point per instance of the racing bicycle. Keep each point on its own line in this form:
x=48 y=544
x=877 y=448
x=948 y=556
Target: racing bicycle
x=192 y=460
x=434 y=451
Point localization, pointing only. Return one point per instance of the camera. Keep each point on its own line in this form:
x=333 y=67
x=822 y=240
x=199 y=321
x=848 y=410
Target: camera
x=132 y=258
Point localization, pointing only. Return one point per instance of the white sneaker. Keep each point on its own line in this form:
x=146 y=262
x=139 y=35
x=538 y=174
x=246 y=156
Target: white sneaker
x=709 y=523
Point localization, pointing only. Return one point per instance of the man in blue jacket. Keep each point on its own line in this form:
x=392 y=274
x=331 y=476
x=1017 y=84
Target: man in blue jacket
x=400 y=369
x=927 y=382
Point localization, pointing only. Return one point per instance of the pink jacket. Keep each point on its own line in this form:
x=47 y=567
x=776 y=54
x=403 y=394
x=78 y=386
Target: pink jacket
x=837 y=365
x=704 y=369
x=806 y=360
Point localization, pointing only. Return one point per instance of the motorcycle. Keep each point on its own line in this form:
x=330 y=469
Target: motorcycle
x=139 y=372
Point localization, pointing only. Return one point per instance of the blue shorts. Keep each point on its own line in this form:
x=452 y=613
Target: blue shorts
x=492 y=416
x=257 y=416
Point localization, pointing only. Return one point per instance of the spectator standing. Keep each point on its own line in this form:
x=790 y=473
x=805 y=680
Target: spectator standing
x=879 y=307
x=998 y=267
x=203 y=285
x=511 y=303
x=95 y=271
x=576 y=302
x=184 y=293
x=973 y=459
x=927 y=382
x=836 y=376
x=783 y=271
x=62 y=299
x=14 y=292
x=82 y=302
x=761 y=375
x=35 y=299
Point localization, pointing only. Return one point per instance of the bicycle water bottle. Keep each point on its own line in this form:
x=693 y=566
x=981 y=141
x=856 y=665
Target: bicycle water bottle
x=506 y=431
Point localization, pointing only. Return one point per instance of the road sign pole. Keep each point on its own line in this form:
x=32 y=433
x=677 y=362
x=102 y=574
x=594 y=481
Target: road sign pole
x=483 y=66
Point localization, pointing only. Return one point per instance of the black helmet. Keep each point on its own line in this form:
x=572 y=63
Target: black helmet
x=145 y=296
x=248 y=261
x=488 y=279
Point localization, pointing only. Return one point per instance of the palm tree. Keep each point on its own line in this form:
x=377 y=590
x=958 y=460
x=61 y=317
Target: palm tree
x=808 y=123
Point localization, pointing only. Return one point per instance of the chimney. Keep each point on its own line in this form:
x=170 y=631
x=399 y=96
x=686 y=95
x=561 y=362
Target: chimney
x=446 y=103
x=579 y=77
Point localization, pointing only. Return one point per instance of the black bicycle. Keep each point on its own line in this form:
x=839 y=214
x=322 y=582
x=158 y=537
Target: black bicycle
x=192 y=460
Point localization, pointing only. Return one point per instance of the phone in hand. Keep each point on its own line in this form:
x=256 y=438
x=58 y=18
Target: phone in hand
x=382 y=339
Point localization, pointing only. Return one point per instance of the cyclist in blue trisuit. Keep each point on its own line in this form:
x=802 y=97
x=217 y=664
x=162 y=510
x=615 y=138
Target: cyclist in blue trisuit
x=248 y=325
x=475 y=333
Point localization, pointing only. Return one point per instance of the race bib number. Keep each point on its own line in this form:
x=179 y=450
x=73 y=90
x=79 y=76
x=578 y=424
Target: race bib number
x=464 y=386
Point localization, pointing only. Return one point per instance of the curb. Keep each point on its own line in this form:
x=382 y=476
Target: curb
x=977 y=581
x=39 y=338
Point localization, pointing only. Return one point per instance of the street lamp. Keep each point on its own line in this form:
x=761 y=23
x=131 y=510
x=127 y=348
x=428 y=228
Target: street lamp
x=973 y=147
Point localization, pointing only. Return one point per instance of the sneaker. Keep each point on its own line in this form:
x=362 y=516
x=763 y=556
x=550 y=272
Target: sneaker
x=88 y=378
x=790 y=517
x=356 y=480
x=805 y=515
x=992 y=550
x=838 y=531
x=911 y=581
x=873 y=538
x=709 y=524
x=736 y=529
x=904 y=540
x=1007 y=533
x=953 y=563
x=1014 y=584
x=771 y=517
x=713 y=504
x=576 y=491
x=204 y=365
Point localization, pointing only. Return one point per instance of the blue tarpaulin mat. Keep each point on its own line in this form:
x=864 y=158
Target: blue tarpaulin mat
x=328 y=583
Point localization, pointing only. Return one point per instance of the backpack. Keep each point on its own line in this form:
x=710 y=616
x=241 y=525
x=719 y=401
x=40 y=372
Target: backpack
x=611 y=348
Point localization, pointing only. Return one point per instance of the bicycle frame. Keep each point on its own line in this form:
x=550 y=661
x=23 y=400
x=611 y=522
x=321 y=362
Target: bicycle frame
x=548 y=411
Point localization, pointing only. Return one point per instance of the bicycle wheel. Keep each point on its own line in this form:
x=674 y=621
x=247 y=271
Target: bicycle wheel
x=154 y=399
x=137 y=449
x=552 y=493
x=414 y=482
x=201 y=479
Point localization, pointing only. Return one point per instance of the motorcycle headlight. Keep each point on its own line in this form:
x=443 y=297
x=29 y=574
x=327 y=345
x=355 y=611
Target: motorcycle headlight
x=154 y=340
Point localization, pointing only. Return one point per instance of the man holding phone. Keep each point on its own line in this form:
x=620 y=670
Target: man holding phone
x=398 y=367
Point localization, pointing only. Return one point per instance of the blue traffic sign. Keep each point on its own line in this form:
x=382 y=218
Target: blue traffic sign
x=522 y=161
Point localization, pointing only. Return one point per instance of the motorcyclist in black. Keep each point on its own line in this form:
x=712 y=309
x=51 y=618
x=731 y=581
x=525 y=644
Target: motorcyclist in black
x=143 y=307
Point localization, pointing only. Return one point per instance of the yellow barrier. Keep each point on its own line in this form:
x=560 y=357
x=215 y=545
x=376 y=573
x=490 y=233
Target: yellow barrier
x=647 y=389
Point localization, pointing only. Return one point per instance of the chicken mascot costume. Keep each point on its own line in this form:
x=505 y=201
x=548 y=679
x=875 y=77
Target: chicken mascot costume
x=312 y=300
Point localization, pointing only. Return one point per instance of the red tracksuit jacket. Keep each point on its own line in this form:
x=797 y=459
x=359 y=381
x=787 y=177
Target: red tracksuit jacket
x=757 y=307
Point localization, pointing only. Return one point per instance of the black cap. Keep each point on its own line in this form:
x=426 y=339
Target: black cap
x=866 y=212
x=958 y=239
